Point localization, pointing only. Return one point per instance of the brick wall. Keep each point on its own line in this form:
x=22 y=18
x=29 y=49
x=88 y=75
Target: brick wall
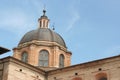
x=109 y=68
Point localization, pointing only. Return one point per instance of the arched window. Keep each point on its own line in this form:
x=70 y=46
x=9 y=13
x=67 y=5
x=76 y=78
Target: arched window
x=101 y=76
x=77 y=78
x=43 y=58
x=24 y=57
x=61 y=61
x=44 y=23
x=40 y=23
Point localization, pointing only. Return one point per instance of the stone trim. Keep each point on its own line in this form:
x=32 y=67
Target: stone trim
x=41 y=43
x=85 y=65
x=14 y=60
x=59 y=70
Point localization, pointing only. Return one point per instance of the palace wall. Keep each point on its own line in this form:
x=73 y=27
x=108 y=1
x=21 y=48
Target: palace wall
x=89 y=71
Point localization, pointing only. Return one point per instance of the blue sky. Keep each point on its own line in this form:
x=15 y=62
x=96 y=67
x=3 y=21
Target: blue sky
x=90 y=28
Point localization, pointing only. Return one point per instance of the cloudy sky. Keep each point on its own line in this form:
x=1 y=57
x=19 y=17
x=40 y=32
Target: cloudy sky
x=90 y=28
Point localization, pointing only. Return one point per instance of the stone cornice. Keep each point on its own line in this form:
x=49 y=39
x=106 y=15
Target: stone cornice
x=16 y=61
x=41 y=43
x=85 y=65
x=65 y=69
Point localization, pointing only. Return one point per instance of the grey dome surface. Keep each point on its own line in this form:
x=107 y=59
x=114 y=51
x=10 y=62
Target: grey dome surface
x=43 y=34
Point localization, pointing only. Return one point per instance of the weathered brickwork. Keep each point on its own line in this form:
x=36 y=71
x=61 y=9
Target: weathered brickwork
x=1 y=70
x=54 y=53
x=18 y=72
x=14 y=69
x=92 y=71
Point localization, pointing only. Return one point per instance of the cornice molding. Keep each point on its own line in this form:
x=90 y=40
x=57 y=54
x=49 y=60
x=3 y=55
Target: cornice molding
x=86 y=65
x=10 y=59
x=41 y=43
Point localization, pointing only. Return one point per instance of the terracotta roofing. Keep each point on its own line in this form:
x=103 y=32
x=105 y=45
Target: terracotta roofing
x=43 y=34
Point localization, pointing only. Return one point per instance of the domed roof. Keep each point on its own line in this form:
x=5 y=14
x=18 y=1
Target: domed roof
x=43 y=34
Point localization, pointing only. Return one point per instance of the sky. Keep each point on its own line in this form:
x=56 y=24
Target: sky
x=90 y=28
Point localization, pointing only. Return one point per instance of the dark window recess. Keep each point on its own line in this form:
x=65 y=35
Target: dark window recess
x=24 y=57
x=76 y=73
x=43 y=58
x=54 y=78
x=100 y=69
x=103 y=78
x=61 y=60
x=20 y=69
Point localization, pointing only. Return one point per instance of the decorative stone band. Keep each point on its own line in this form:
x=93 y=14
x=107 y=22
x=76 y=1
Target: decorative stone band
x=42 y=43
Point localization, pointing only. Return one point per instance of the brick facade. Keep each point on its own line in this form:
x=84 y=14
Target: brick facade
x=33 y=49
x=15 y=69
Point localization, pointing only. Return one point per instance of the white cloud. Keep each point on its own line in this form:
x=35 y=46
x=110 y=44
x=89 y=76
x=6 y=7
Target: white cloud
x=18 y=19
x=12 y=19
x=74 y=18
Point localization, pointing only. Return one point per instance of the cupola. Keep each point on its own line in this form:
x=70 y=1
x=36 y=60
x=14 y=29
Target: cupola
x=43 y=47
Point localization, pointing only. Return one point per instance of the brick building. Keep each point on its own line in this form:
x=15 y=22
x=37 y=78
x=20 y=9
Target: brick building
x=42 y=55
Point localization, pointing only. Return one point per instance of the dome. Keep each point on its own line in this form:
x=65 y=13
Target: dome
x=43 y=34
